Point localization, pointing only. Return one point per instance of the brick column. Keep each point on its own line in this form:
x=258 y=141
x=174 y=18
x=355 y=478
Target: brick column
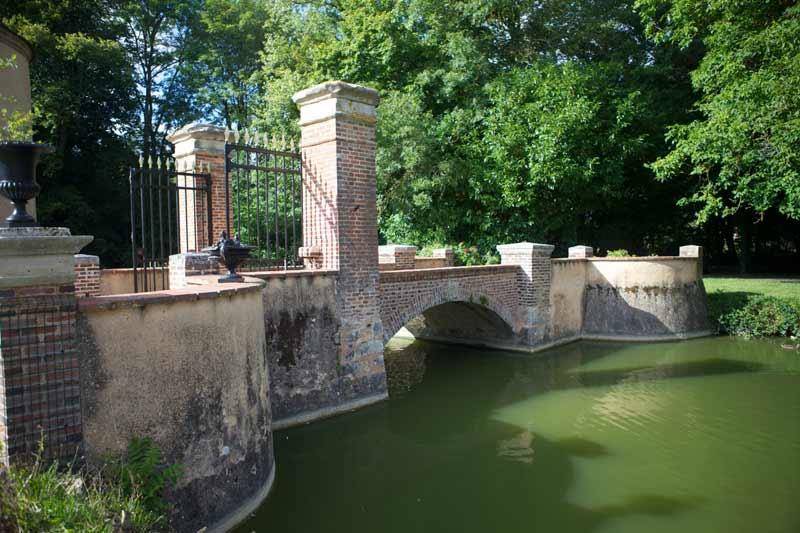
x=337 y=122
x=87 y=276
x=39 y=376
x=446 y=254
x=201 y=147
x=533 y=281
x=397 y=257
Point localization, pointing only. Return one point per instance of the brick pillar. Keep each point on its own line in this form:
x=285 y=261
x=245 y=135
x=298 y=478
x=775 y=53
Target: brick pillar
x=201 y=147
x=533 y=281
x=446 y=254
x=87 y=276
x=397 y=257
x=39 y=376
x=337 y=122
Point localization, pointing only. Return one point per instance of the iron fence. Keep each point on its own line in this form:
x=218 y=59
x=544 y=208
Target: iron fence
x=264 y=192
x=170 y=214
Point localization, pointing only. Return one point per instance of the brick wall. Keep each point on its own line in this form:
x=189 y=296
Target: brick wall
x=407 y=294
x=40 y=385
x=87 y=276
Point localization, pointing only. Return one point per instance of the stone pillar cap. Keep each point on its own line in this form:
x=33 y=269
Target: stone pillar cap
x=525 y=246
x=397 y=247
x=197 y=130
x=580 y=251
x=337 y=89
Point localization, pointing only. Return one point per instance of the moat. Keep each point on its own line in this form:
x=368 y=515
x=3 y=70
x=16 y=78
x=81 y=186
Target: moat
x=699 y=436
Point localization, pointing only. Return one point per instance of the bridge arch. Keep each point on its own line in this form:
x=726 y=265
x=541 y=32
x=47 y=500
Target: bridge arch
x=486 y=295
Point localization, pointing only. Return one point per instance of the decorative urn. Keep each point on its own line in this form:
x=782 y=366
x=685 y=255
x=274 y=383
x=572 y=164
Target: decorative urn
x=232 y=253
x=18 y=161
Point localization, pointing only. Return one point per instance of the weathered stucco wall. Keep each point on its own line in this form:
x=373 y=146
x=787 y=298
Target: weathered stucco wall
x=567 y=289
x=188 y=369
x=636 y=298
x=302 y=329
x=644 y=297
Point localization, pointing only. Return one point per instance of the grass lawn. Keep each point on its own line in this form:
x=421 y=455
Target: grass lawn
x=782 y=287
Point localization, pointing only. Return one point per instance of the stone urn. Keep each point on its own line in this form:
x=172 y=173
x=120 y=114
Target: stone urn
x=18 y=161
x=232 y=253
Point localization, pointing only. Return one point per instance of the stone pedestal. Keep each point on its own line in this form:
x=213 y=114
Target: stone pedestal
x=534 y=286
x=39 y=380
x=337 y=122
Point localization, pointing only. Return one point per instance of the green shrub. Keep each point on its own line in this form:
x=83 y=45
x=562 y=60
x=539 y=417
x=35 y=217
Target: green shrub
x=618 y=253
x=127 y=495
x=759 y=316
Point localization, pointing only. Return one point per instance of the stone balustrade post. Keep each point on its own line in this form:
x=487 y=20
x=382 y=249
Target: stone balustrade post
x=580 y=252
x=201 y=148
x=337 y=123
x=397 y=256
x=533 y=281
x=184 y=266
x=692 y=250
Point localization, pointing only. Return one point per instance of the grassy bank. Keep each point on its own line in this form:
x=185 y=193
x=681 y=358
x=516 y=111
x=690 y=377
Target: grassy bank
x=750 y=306
x=125 y=495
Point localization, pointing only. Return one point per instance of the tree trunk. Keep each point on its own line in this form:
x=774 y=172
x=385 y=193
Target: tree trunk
x=745 y=243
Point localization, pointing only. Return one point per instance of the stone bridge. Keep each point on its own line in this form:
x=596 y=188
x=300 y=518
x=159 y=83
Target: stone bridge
x=503 y=304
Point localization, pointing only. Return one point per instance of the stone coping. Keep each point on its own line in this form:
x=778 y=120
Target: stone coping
x=302 y=273
x=631 y=259
x=189 y=294
x=446 y=272
x=130 y=270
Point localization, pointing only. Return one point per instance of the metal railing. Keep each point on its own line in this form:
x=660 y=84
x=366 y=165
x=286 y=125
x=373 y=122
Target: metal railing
x=264 y=192
x=170 y=214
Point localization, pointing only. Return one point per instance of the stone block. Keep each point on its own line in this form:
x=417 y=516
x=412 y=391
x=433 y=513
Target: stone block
x=580 y=252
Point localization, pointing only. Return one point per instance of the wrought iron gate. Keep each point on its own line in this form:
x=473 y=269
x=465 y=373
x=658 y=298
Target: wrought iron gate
x=264 y=192
x=170 y=214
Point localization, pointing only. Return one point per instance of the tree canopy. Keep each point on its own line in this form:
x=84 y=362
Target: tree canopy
x=637 y=124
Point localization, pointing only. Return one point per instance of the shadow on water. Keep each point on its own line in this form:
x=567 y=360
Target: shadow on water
x=687 y=369
x=580 y=447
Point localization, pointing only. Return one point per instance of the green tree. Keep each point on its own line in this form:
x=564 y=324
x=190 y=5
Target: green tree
x=743 y=149
x=83 y=104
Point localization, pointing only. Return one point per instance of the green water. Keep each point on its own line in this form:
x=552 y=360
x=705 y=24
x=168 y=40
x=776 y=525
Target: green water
x=693 y=437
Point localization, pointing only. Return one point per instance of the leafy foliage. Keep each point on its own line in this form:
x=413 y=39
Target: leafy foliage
x=761 y=316
x=127 y=496
x=142 y=473
x=618 y=253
